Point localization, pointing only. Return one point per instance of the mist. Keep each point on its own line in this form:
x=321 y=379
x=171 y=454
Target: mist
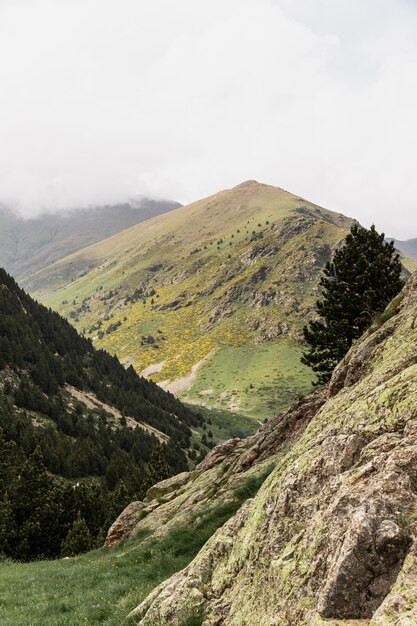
x=104 y=101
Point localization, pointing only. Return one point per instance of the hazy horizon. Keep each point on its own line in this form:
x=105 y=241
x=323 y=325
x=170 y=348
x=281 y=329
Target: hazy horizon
x=105 y=101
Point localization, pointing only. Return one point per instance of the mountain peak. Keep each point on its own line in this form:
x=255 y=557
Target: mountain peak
x=248 y=185
x=229 y=259
x=253 y=186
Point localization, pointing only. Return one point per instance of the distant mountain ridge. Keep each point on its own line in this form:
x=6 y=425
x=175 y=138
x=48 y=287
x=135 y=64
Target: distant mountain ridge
x=28 y=245
x=407 y=247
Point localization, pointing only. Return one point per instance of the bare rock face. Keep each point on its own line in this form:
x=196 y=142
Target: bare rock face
x=167 y=486
x=330 y=539
x=178 y=500
x=400 y=607
x=122 y=527
x=365 y=569
x=353 y=367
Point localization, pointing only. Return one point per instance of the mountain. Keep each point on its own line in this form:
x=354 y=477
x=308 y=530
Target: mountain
x=408 y=247
x=28 y=245
x=209 y=299
x=74 y=417
x=330 y=536
x=309 y=521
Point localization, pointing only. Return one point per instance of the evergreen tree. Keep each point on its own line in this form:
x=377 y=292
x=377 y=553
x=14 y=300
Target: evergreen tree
x=7 y=527
x=8 y=454
x=362 y=278
x=158 y=468
x=37 y=510
x=78 y=540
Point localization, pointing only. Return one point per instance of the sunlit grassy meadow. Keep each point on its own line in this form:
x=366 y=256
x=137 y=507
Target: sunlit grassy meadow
x=262 y=378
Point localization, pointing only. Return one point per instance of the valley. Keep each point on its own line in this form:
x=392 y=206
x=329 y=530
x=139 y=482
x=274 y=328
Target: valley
x=208 y=313
x=208 y=300
x=211 y=534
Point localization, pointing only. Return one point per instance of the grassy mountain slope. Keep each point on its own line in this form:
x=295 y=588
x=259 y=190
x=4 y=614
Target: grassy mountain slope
x=324 y=529
x=208 y=300
x=74 y=413
x=27 y=245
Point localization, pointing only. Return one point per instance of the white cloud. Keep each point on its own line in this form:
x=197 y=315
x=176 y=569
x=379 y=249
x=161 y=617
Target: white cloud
x=105 y=99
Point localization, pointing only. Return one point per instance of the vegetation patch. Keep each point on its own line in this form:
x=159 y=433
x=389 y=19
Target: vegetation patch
x=257 y=380
x=236 y=270
x=103 y=586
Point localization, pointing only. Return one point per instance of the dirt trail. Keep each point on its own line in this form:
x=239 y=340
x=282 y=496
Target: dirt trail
x=153 y=369
x=183 y=384
x=94 y=404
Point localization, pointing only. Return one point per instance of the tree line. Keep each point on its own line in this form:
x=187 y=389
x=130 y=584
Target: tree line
x=65 y=471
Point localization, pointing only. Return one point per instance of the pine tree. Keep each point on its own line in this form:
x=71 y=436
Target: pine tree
x=7 y=527
x=78 y=540
x=362 y=278
x=158 y=467
x=8 y=454
x=37 y=510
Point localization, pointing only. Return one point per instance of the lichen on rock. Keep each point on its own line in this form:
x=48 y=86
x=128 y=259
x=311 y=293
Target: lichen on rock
x=331 y=536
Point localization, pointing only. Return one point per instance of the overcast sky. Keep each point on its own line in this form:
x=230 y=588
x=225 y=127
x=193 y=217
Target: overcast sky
x=101 y=100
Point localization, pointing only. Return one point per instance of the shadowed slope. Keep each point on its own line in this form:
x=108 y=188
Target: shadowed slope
x=408 y=247
x=28 y=245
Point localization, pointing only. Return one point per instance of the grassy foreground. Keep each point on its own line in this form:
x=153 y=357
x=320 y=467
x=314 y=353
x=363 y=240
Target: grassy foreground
x=100 y=587
x=103 y=586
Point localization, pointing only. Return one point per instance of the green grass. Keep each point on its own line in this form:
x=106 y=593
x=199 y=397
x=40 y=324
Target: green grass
x=391 y=310
x=259 y=380
x=226 y=424
x=103 y=586
x=223 y=312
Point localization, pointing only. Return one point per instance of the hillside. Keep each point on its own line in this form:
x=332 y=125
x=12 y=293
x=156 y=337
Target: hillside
x=72 y=416
x=408 y=247
x=316 y=517
x=331 y=535
x=28 y=245
x=208 y=300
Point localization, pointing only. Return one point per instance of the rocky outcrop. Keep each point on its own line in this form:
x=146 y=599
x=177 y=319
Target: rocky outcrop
x=168 y=486
x=122 y=527
x=331 y=535
x=180 y=499
x=366 y=567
